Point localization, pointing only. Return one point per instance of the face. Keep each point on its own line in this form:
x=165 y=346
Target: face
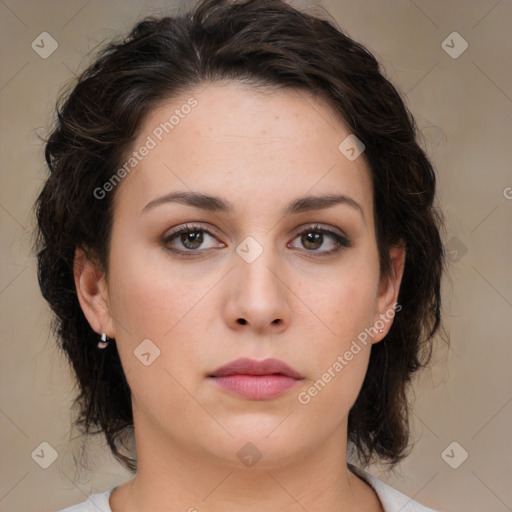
x=255 y=273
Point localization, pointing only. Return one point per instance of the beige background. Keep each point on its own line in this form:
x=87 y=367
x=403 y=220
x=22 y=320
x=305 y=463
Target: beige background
x=464 y=107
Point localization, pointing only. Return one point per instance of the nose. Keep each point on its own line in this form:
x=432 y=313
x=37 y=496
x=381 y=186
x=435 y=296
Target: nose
x=258 y=295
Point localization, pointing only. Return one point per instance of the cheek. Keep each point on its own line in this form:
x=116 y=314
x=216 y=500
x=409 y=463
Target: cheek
x=150 y=296
x=341 y=354
x=149 y=309
x=354 y=309
x=140 y=300
x=151 y=300
x=349 y=299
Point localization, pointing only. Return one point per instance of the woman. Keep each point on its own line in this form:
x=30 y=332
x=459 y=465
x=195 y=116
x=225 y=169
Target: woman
x=239 y=242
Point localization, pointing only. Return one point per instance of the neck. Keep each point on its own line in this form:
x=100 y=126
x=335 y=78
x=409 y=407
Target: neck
x=180 y=478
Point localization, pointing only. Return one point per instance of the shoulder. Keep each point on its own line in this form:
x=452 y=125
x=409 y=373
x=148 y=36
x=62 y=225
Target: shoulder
x=95 y=503
x=391 y=499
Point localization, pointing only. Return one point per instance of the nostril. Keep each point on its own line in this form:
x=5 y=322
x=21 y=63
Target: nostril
x=242 y=321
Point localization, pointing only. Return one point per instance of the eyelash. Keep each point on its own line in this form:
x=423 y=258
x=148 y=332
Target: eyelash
x=341 y=241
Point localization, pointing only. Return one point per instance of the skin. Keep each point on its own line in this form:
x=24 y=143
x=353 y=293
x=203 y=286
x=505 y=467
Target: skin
x=258 y=149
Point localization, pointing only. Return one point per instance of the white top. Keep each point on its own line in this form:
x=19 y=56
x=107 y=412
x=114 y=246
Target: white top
x=391 y=499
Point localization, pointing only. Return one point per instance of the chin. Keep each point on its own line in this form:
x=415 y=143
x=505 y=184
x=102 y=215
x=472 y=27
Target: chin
x=261 y=444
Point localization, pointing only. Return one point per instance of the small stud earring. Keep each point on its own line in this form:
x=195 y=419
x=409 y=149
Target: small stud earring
x=381 y=330
x=104 y=343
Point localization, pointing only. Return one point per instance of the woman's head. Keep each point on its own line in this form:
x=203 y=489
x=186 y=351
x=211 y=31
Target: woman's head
x=256 y=104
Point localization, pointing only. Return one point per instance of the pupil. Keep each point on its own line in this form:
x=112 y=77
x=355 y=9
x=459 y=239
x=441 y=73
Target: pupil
x=313 y=239
x=195 y=237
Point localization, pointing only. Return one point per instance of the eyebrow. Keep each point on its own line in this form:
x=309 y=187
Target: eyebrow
x=218 y=204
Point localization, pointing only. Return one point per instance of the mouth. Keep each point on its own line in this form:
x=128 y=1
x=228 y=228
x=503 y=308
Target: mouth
x=246 y=366
x=256 y=380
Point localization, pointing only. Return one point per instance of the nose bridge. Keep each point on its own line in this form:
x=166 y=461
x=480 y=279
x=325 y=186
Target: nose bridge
x=258 y=265
x=259 y=293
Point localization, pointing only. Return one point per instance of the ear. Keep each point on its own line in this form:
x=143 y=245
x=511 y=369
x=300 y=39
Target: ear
x=92 y=291
x=388 y=293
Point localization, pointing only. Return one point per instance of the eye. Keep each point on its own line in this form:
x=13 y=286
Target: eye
x=190 y=237
x=313 y=238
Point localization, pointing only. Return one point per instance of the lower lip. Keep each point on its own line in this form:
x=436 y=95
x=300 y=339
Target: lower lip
x=257 y=387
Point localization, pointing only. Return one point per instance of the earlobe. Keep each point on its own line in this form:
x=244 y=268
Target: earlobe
x=92 y=293
x=388 y=292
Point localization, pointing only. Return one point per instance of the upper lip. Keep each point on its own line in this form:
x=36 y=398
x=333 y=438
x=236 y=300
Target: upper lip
x=246 y=366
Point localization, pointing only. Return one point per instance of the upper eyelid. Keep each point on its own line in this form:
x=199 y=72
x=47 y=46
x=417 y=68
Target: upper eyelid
x=319 y=226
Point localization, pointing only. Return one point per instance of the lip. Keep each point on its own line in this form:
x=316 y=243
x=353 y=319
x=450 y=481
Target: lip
x=256 y=380
x=246 y=366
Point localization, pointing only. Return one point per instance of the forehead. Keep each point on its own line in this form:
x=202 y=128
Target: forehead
x=247 y=144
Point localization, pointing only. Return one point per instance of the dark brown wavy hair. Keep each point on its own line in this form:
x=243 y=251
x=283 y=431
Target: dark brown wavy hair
x=267 y=43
